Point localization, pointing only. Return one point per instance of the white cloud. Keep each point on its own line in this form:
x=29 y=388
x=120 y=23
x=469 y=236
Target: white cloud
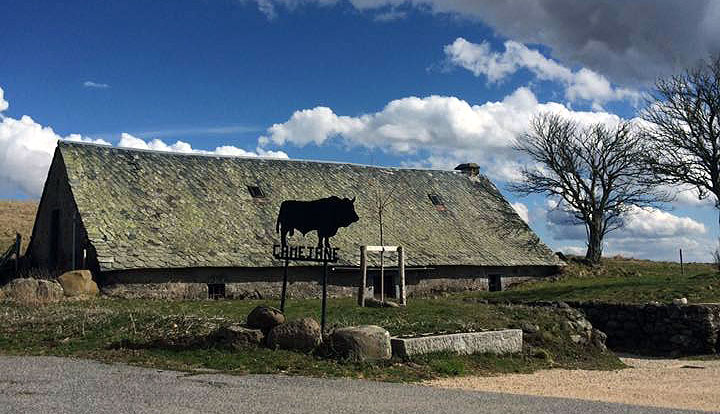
x=648 y=233
x=522 y=211
x=95 y=85
x=129 y=141
x=583 y=84
x=26 y=150
x=3 y=103
x=445 y=129
x=656 y=224
x=645 y=222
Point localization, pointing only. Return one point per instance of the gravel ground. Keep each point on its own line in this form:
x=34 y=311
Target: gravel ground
x=671 y=383
x=61 y=385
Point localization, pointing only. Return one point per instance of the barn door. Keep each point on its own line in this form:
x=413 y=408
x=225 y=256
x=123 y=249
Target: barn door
x=494 y=283
x=54 y=254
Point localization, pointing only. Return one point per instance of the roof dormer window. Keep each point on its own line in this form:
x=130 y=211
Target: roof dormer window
x=256 y=191
x=437 y=201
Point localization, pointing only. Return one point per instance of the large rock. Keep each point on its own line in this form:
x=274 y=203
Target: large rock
x=265 y=318
x=361 y=343
x=31 y=291
x=302 y=335
x=22 y=290
x=49 y=291
x=78 y=283
x=237 y=337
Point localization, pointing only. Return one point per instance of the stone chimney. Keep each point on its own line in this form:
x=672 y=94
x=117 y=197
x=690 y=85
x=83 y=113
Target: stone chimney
x=469 y=168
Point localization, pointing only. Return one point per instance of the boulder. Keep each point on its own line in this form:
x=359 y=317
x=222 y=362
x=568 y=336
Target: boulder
x=22 y=290
x=302 y=335
x=680 y=301
x=30 y=291
x=49 y=291
x=237 y=337
x=362 y=343
x=265 y=318
x=599 y=338
x=529 y=328
x=78 y=283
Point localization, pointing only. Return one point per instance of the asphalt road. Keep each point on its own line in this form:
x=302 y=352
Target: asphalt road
x=61 y=385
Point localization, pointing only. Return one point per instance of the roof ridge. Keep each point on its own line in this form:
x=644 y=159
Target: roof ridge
x=62 y=142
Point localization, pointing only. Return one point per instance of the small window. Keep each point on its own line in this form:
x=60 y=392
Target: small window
x=216 y=291
x=437 y=202
x=255 y=191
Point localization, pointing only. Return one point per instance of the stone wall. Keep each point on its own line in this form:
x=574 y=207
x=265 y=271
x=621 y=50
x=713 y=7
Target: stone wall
x=247 y=290
x=655 y=329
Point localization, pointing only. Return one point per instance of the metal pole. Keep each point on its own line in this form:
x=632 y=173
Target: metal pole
x=284 y=286
x=324 y=298
x=363 y=272
x=682 y=269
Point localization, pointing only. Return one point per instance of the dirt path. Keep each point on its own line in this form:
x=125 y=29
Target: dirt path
x=670 y=383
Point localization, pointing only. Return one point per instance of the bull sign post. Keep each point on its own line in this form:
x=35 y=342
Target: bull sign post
x=325 y=216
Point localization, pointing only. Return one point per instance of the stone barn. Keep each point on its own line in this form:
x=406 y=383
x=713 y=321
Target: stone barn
x=173 y=225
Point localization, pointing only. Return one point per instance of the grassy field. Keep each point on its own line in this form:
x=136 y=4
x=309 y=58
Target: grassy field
x=129 y=331
x=16 y=217
x=621 y=281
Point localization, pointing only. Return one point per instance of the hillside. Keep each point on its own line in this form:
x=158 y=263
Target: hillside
x=621 y=280
x=16 y=217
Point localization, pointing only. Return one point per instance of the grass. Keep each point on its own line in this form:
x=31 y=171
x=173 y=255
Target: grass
x=16 y=217
x=621 y=281
x=124 y=331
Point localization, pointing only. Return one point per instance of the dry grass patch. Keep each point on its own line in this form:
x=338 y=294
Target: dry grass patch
x=16 y=217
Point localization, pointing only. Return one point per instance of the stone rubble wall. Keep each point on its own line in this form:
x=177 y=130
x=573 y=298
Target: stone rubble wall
x=242 y=290
x=296 y=290
x=657 y=329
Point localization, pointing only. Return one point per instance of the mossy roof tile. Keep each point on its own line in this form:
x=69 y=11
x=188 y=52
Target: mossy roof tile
x=171 y=210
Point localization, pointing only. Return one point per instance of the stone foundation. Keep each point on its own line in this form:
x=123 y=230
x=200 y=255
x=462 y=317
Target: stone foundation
x=248 y=290
x=303 y=281
x=441 y=286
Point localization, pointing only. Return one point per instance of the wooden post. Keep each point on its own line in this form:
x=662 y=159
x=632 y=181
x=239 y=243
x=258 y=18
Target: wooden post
x=401 y=271
x=363 y=273
x=682 y=269
x=382 y=276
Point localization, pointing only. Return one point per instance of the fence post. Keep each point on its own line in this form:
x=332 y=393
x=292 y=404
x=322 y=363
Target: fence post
x=682 y=268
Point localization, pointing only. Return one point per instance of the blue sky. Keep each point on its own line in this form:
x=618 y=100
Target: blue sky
x=404 y=83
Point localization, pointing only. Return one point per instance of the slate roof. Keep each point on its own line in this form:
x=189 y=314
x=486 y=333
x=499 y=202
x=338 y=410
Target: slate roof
x=148 y=209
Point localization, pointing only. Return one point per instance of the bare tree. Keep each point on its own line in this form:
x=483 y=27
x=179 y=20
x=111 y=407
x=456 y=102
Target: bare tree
x=683 y=129
x=596 y=172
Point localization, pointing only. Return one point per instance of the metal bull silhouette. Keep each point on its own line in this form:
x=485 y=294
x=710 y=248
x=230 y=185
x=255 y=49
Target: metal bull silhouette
x=325 y=215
